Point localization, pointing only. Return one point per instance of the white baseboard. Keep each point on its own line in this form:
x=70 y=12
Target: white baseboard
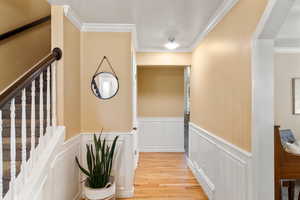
x=161 y=134
x=78 y=196
x=222 y=169
x=203 y=180
x=123 y=193
x=162 y=149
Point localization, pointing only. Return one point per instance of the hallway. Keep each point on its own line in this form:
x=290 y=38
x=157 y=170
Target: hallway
x=165 y=176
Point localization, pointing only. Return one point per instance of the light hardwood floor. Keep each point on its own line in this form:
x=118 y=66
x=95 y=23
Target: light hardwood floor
x=164 y=176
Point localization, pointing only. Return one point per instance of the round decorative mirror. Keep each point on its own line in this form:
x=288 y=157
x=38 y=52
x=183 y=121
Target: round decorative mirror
x=105 y=85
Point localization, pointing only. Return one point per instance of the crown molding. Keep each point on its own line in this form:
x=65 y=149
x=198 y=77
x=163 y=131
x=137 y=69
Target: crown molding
x=73 y=17
x=225 y=7
x=287 y=50
x=287 y=45
x=101 y=27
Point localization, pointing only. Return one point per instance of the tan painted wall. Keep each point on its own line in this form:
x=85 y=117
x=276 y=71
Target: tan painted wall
x=160 y=59
x=221 y=76
x=114 y=114
x=287 y=66
x=160 y=91
x=71 y=78
x=66 y=36
x=19 y=53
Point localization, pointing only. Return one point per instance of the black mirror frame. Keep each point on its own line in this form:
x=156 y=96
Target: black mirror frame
x=93 y=80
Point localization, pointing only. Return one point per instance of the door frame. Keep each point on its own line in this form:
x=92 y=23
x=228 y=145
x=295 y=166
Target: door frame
x=262 y=68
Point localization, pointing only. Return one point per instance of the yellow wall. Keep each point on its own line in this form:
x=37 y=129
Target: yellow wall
x=19 y=53
x=71 y=78
x=160 y=59
x=160 y=91
x=221 y=76
x=66 y=36
x=114 y=114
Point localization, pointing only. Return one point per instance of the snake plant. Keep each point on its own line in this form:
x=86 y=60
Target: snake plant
x=99 y=157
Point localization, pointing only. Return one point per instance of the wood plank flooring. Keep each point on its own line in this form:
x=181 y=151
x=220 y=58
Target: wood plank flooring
x=162 y=176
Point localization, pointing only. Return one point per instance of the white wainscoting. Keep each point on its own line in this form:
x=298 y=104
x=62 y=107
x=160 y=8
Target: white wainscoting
x=56 y=175
x=161 y=134
x=222 y=169
x=124 y=164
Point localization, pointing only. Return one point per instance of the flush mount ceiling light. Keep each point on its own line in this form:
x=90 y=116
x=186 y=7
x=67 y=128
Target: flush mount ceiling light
x=171 y=44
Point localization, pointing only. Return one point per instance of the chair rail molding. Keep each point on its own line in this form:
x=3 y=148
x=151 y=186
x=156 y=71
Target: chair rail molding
x=222 y=169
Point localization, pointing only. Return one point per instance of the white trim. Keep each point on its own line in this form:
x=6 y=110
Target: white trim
x=73 y=17
x=159 y=149
x=203 y=180
x=216 y=162
x=90 y=134
x=263 y=98
x=232 y=149
x=226 y=6
x=78 y=196
x=151 y=50
x=160 y=119
x=101 y=27
x=287 y=50
x=122 y=193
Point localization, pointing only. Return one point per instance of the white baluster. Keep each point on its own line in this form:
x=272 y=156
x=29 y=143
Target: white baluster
x=1 y=157
x=48 y=97
x=41 y=110
x=24 y=134
x=32 y=120
x=54 y=119
x=12 y=147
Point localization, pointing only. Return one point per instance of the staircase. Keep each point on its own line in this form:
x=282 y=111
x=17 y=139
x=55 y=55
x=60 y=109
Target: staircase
x=6 y=136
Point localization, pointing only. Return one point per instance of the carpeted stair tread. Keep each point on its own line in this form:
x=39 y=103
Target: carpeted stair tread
x=6 y=132
x=18 y=123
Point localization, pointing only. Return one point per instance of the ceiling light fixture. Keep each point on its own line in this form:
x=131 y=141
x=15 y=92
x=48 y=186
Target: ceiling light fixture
x=171 y=44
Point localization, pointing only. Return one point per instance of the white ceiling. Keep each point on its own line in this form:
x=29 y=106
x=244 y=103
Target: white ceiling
x=289 y=33
x=155 y=20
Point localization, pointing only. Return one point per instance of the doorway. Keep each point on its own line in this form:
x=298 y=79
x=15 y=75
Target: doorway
x=264 y=44
x=163 y=108
x=187 y=73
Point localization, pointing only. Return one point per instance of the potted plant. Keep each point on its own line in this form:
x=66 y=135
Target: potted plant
x=99 y=183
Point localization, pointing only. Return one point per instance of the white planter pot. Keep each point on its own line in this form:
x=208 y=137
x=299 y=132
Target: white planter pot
x=101 y=193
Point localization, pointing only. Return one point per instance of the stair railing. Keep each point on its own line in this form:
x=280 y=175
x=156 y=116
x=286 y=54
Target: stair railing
x=44 y=71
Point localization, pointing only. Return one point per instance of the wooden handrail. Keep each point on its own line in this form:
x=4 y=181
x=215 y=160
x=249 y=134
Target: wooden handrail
x=24 y=28
x=29 y=76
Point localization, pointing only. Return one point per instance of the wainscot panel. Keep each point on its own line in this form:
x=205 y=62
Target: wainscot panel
x=161 y=134
x=222 y=169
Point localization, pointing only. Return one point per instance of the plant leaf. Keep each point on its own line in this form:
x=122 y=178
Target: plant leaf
x=81 y=168
x=89 y=159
